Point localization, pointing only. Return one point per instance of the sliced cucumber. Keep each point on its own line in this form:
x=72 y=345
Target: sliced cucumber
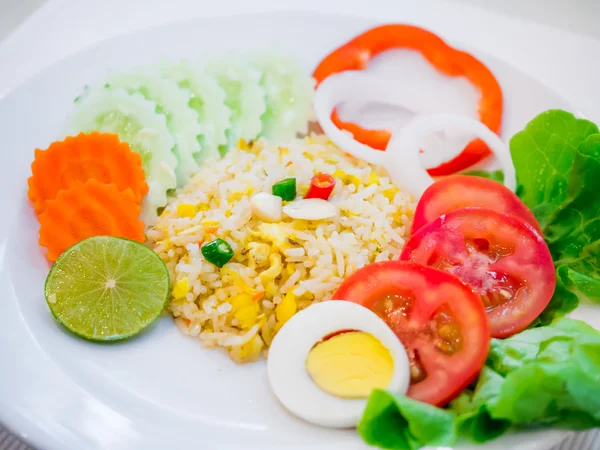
x=244 y=96
x=172 y=101
x=208 y=99
x=288 y=93
x=136 y=121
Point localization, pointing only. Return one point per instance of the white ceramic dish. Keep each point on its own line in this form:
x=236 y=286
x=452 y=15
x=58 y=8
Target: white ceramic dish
x=160 y=390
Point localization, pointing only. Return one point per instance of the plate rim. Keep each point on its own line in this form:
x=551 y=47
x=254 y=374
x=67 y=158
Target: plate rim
x=27 y=430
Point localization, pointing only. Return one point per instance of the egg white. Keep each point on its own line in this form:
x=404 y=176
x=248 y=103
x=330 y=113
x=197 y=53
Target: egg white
x=286 y=364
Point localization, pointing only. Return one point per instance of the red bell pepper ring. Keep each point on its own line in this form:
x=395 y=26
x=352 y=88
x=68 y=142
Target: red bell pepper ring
x=321 y=186
x=356 y=54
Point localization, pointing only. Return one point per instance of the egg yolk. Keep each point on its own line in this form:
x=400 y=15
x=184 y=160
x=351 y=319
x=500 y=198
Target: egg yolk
x=350 y=365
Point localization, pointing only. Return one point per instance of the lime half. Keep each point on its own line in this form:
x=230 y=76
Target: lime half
x=107 y=288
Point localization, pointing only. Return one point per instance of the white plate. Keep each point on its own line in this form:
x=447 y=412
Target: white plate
x=160 y=390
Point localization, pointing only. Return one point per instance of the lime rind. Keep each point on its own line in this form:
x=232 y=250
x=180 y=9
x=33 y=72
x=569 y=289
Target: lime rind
x=135 y=120
x=107 y=288
x=208 y=100
x=244 y=96
x=288 y=94
x=172 y=101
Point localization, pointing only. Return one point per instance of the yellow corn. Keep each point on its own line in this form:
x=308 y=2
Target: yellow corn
x=182 y=287
x=186 y=210
x=286 y=309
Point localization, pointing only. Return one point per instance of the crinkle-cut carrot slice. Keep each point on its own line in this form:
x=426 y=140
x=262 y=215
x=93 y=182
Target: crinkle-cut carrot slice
x=97 y=156
x=89 y=209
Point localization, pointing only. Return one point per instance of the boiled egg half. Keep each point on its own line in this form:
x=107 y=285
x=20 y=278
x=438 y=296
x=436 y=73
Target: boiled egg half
x=326 y=360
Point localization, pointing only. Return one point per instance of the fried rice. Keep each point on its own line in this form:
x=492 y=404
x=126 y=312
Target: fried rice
x=278 y=268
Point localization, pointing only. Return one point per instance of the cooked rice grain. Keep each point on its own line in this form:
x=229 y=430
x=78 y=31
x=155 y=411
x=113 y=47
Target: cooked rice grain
x=278 y=268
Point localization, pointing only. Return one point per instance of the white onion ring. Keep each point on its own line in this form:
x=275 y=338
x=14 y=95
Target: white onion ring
x=403 y=163
x=335 y=89
x=402 y=152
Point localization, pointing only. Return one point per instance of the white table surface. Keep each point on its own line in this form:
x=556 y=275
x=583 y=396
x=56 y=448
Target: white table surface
x=552 y=40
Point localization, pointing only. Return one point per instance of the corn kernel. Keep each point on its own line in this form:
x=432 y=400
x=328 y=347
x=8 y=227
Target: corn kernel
x=182 y=287
x=186 y=210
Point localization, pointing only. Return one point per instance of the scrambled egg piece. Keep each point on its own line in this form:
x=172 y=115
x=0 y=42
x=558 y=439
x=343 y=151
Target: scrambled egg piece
x=245 y=310
x=274 y=233
x=286 y=309
x=248 y=352
x=186 y=210
x=347 y=178
x=258 y=254
x=273 y=271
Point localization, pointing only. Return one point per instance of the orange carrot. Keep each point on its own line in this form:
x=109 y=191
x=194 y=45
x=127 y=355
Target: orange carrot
x=256 y=297
x=97 y=156
x=85 y=210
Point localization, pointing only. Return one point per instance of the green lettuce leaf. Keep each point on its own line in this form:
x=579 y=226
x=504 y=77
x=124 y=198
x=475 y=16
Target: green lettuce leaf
x=557 y=160
x=471 y=407
x=563 y=302
x=496 y=175
x=393 y=421
x=543 y=155
x=546 y=376
x=573 y=231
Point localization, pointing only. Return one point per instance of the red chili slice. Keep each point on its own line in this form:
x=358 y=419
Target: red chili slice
x=505 y=260
x=356 y=54
x=461 y=191
x=440 y=320
x=321 y=186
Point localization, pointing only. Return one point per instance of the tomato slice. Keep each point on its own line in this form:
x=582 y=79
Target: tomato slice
x=440 y=320
x=505 y=260
x=460 y=191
